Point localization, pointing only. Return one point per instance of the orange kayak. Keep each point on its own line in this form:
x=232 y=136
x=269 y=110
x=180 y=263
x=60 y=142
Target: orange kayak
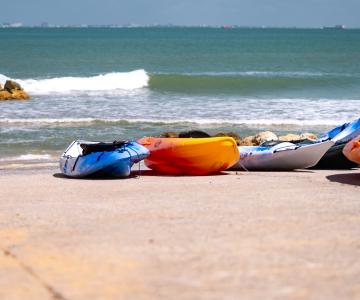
x=190 y=156
x=352 y=150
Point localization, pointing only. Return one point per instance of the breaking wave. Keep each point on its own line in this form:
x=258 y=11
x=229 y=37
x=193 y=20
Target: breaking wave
x=104 y=82
x=242 y=83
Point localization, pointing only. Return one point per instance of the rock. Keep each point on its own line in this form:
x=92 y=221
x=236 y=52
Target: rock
x=12 y=85
x=20 y=94
x=309 y=136
x=265 y=136
x=15 y=95
x=234 y=135
x=1 y=87
x=12 y=91
x=193 y=134
x=247 y=141
x=289 y=137
x=169 y=134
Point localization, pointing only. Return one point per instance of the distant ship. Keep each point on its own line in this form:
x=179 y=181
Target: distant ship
x=341 y=27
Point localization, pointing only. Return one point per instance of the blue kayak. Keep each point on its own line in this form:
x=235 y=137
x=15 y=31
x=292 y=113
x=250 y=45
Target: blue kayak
x=84 y=158
x=343 y=133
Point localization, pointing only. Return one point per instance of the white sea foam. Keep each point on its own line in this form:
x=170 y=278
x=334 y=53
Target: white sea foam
x=3 y=78
x=46 y=121
x=204 y=122
x=105 y=82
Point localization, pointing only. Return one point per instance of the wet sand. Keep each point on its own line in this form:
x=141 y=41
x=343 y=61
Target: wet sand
x=285 y=235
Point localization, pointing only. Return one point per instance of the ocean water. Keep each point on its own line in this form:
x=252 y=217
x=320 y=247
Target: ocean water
x=125 y=83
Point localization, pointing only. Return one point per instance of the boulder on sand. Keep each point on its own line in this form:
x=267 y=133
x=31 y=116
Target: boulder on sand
x=193 y=134
x=265 y=136
x=234 y=135
x=308 y=136
x=169 y=134
x=247 y=141
x=12 y=91
x=290 y=137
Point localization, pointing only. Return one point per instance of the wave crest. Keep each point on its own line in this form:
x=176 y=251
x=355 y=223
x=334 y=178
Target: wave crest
x=104 y=82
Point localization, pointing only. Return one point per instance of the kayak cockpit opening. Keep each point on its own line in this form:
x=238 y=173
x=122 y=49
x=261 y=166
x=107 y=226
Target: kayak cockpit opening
x=82 y=148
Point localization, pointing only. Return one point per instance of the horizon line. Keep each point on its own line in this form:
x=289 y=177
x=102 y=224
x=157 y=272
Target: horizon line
x=16 y=25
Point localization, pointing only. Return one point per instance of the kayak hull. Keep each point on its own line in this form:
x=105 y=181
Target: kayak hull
x=334 y=158
x=282 y=157
x=115 y=163
x=190 y=156
x=343 y=133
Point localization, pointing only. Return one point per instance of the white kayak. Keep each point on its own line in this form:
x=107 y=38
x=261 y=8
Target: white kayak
x=281 y=157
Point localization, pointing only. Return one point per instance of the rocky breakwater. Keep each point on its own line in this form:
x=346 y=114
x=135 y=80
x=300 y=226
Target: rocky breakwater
x=253 y=140
x=12 y=91
x=268 y=136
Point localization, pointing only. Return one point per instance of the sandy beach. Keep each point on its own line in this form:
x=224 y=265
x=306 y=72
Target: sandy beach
x=118 y=72
x=284 y=235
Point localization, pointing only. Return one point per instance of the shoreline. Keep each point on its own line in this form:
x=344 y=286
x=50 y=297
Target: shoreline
x=8 y=167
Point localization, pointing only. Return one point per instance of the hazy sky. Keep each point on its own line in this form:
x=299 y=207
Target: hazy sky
x=301 y=13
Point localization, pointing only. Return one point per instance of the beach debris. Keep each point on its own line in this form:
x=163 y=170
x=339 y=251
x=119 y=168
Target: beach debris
x=265 y=136
x=290 y=137
x=12 y=91
x=193 y=134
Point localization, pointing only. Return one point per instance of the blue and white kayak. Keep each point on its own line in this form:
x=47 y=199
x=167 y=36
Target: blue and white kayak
x=341 y=135
x=284 y=156
x=84 y=158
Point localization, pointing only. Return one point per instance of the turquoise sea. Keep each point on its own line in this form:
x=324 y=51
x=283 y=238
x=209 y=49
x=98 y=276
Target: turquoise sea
x=124 y=83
